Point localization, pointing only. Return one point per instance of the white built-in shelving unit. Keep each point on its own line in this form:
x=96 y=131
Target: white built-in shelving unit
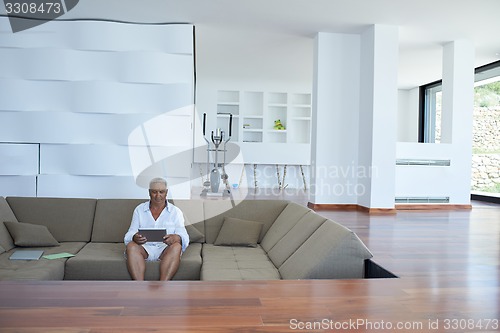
x=254 y=114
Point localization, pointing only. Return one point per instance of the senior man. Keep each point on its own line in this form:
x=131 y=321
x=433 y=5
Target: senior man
x=157 y=213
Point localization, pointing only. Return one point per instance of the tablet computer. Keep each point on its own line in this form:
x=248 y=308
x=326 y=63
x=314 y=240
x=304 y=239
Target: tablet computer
x=26 y=255
x=153 y=235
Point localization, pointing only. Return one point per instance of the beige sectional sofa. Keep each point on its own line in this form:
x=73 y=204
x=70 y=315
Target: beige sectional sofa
x=244 y=240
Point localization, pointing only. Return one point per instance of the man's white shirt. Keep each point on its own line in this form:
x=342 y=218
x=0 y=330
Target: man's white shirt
x=171 y=218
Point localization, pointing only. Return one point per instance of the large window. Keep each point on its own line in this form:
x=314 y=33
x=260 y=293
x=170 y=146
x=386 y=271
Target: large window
x=486 y=131
x=430 y=108
x=486 y=126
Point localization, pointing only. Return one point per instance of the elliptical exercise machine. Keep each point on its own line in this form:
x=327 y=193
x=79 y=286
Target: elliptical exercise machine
x=212 y=184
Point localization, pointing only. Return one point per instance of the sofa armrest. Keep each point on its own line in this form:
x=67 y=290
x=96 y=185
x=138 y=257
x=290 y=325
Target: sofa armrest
x=332 y=252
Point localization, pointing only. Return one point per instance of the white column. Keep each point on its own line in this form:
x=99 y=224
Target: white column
x=378 y=116
x=456 y=119
x=335 y=119
x=354 y=118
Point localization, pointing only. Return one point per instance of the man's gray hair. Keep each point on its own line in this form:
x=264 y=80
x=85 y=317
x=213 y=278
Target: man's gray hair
x=158 y=180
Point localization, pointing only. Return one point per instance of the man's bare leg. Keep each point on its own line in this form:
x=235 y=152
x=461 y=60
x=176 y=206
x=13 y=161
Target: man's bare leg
x=170 y=260
x=136 y=264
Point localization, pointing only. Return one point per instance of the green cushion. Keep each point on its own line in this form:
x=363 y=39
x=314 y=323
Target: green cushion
x=30 y=235
x=238 y=232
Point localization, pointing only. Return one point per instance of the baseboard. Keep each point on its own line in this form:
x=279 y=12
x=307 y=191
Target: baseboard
x=332 y=206
x=432 y=207
x=382 y=211
x=351 y=207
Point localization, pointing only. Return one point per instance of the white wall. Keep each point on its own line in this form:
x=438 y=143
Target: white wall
x=92 y=102
x=451 y=181
x=354 y=118
x=387 y=124
x=377 y=117
x=267 y=61
x=424 y=181
x=19 y=168
x=408 y=112
x=336 y=101
x=84 y=116
x=282 y=66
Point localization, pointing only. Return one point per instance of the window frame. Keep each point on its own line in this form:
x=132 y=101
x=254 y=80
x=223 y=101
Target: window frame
x=427 y=116
x=424 y=133
x=424 y=119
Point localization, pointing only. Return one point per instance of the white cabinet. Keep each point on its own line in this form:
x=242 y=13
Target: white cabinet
x=254 y=115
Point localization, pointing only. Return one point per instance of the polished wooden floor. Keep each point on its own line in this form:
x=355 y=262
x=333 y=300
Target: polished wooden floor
x=447 y=261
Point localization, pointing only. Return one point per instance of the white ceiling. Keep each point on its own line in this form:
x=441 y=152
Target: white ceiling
x=424 y=25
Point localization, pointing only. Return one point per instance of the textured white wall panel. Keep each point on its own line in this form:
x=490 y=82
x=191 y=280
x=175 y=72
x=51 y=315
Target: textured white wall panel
x=113 y=97
x=81 y=89
x=112 y=160
x=75 y=65
x=68 y=127
x=124 y=37
x=103 y=187
x=89 y=186
x=21 y=186
x=23 y=95
x=101 y=36
x=170 y=161
x=163 y=145
x=169 y=130
x=92 y=96
x=175 y=68
x=18 y=159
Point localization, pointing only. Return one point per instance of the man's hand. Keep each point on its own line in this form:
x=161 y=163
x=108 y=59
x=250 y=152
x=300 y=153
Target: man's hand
x=171 y=239
x=139 y=239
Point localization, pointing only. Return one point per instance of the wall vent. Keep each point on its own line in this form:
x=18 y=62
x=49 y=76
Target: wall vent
x=423 y=162
x=422 y=200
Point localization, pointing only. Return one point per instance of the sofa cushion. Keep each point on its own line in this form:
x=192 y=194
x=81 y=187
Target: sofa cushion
x=98 y=261
x=30 y=235
x=265 y=211
x=112 y=219
x=2 y=250
x=6 y=214
x=238 y=232
x=284 y=222
x=195 y=236
x=42 y=269
x=293 y=239
x=236 y=263
x=106 y=261
x=193 y=218
x=193 y=212
x=195 y=231
x=332 y=252
x=68 y=219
